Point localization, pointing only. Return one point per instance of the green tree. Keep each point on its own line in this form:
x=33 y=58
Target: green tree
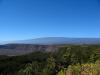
x=31 y=69
x=50 y=67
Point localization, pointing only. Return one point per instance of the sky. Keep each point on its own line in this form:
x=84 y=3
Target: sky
x=28 y=19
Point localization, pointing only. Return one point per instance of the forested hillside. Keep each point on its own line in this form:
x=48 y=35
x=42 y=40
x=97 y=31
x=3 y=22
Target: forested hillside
x=67 y=60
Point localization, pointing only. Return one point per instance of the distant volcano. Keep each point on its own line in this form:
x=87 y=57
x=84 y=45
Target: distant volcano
x=58 y=40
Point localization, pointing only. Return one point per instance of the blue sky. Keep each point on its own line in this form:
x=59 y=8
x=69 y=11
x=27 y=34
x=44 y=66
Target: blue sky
x=27 y=19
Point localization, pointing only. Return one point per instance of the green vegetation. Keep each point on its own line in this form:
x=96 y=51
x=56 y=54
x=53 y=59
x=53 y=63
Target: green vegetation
x=67 y=60
x=83 y=69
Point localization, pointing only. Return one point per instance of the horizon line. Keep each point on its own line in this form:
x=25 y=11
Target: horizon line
x=50 y=37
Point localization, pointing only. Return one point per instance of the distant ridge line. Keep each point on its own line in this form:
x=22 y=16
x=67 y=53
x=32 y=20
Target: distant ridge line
x=57 y=40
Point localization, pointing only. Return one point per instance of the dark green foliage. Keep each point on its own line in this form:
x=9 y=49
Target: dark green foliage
x=36 y=68
x=49 y=68
x=31 y=69
x=39 y=63
x=9 y=65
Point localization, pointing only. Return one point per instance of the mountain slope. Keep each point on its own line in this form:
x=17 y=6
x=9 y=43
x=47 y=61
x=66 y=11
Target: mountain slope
x=59 y=40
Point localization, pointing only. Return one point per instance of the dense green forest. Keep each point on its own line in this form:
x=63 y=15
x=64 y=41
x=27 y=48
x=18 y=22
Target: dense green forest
x=67 y=60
